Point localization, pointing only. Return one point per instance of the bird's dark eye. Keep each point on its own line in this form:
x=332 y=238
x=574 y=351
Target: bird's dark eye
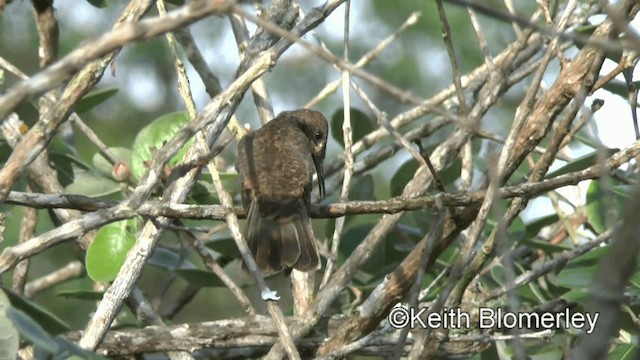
x=318 y=135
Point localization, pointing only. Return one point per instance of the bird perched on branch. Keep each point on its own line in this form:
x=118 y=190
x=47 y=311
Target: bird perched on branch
x=276 y=165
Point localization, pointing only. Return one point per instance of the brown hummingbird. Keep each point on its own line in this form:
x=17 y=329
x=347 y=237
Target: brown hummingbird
x=276 y=165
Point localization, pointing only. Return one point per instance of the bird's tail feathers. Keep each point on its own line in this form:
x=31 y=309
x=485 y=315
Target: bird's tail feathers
x=281 y=242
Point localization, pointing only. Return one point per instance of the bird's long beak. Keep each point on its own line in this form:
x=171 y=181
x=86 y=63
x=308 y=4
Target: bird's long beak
x=317 y=161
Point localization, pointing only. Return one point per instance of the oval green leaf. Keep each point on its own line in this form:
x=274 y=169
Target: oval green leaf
x=32 y=331
x=51 y=323
x=88 y=184
x=97 y=97
x=199 y=277
x=107 y=252
x=402 y=176
x=580 y=163
x=9 y=337
x=361 y=125
x=153 y=136
x=81 y=294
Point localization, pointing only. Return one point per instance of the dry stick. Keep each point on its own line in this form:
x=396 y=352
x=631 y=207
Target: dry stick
x=612 y=277
x=261 y=97
x=424 y=154
x=595 y=106
x=547 y=31
x=47 y=25
x=488 y=59
x=381 y=117
x=622 y=24
x=402 y=95
x=366 y=58
x=217 y=112
x=453 y=60
x=389 y=206
x=470 y=82
x=425 y=345
x=518 y=204
x=347 y=136
x=27 y=229
x=269 y=296
x=126 y=32
x=516 y=28
x=426 y=291
x=191 y=50
x=223 y=105
x=210 y=81
x=557 y=262
x=443 y=155
x=41 y=173
x=185 y=92
x=72 y=270
x=103 y=211
x=215 y=267
x=374 y=158
x=484 y=134
x=147 y=315
x=75 y=119
x=582 y=70
x=280 y=12
x=37 y=138
x=435 y=233
x=249 y=337
x=344 y=351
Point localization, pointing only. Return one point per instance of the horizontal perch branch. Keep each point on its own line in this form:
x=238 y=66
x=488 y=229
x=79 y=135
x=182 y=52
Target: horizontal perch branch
x=390 y=206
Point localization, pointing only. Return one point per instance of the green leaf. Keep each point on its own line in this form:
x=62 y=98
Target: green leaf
x=361 y=125
x=384 y=257
x=71 y=351
x=32 y=331
x=603 y=207
x=81 y=294
x=588 y=30
x=545 y=246
x=580 y=296
x=581 y=163
x=362 y=189
x=169 y=260
x=225 y=246
x=103 y=166
x=205 y=193
x=9 y=337
x=107 y=252
x=451 y=173
x=97 y=97
x=624 y=352
x=199 y=277
x=402 y=176
x=153 y=136
x=100 y=4
x=497 y=273
x=63 y=158
x=50 y=323
x=533 y=228
x=87 y=183
x=517 y=230
x=576 y=276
